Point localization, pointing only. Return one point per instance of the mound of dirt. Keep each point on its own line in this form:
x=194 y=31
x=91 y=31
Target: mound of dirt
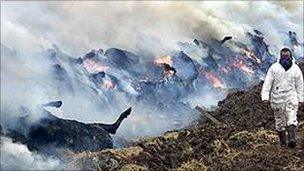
x=246 y=140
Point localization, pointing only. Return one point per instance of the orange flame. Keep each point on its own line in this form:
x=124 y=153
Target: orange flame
x=216 y=81
x=164 y=60
x=250 y=54
x=92 y=66
x=108 y=85
x=241 y=65
x=225 y=70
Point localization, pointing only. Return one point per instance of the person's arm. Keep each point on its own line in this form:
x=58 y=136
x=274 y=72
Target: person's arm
x=299 y=86
x=267 y=86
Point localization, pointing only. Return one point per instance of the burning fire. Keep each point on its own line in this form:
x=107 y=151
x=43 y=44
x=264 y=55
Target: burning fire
x=108 y=85
x=241 y=65
x=164 y=60
x=92 y=66
x=250 y=54
x=224 y=70
x=216 y=81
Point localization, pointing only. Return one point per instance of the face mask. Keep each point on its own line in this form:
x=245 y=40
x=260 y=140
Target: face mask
x=286 y=62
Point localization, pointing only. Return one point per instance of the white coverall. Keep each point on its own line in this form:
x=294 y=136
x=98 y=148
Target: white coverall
x=284 y=90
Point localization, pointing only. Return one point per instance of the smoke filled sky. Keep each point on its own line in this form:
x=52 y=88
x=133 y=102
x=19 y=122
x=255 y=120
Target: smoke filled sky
x=79 y=26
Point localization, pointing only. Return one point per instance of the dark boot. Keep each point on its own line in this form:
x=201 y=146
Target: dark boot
x=282 y=137
x=291 y=136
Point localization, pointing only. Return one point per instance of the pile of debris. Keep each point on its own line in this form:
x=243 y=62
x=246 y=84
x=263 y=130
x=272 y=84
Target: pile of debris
x=245 y=140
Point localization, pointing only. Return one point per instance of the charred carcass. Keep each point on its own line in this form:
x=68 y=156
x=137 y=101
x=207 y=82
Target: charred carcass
x=51 y=131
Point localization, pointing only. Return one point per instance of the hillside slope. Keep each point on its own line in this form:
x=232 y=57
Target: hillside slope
x=246 y=140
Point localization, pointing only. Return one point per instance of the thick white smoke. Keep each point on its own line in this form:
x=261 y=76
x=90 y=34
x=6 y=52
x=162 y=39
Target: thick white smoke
x=25 y=82
x=77 y=27
x=16 y=156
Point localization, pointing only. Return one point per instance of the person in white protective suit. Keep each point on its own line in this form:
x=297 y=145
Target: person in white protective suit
x=283 y=88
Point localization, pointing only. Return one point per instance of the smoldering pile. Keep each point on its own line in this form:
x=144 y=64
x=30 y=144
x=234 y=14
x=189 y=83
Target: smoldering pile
x=245 y=140
x=161 y=90
x=166 y=89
